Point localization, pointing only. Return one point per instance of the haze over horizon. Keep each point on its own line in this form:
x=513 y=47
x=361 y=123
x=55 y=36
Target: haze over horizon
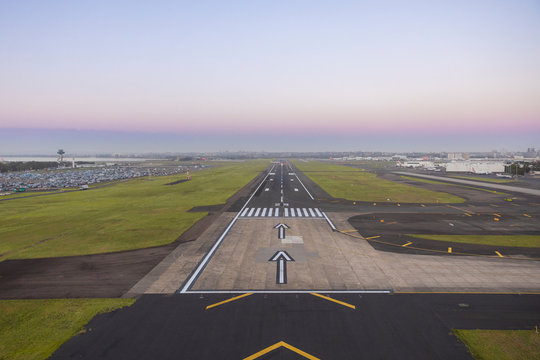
x=125 y=76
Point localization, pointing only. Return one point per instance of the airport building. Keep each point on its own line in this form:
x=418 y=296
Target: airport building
x=475 y=166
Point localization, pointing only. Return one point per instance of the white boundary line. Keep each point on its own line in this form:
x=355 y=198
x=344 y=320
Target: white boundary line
x=311 y=196
x=210 y=254
x=290 y=291
x=329 y=221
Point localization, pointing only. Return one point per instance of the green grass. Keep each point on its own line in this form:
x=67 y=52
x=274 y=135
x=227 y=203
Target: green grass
x=501 y=344
x=365 y=186
x=317 y=166
x=495 y=240
x=129 y=215
x=484 y=179
x=34 y=329
x=452 y=184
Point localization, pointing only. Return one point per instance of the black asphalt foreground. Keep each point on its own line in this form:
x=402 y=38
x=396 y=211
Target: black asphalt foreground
x=298 y=326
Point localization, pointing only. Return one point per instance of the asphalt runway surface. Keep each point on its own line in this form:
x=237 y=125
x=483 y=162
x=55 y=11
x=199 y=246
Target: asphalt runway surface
x=399 y=326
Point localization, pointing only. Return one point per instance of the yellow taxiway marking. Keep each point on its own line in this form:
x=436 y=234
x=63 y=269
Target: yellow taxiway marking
x=498 y=253
x=407 y=244
x=498 y=215
x=228 y=300
x=348 y=231
x=398 y=204
x=450 y=250
x=468 y=214
x=278 y=345
x=373 y=237
x=334 y=300
x=496 y=219
x=422 y=205
x=382 y=220
x=442 y=251
x=374 y=204
x=527 y=215
x=460 y=209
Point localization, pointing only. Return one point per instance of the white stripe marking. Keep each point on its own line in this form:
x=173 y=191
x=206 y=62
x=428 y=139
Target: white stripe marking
x=250 y=211
x=299 y=212
x=270 y=211
x=286 y=212
x=329 y=221
x=305 y=212
x=257 y=212
x=264 y=212
x=318 y=212
x=312 y=198
x=311 y=212
x=244 y=212
x=276 y=213
x=292 y=212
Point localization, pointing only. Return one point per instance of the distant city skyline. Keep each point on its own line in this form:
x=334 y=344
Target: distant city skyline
x=124 y=76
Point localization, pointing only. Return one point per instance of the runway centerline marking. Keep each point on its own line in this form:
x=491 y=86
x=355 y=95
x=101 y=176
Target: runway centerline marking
x=278 y=345
x=334 y=300
x=228 y=300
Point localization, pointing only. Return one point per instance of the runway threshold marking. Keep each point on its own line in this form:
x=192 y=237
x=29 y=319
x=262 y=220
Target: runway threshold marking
x=498 y=253
x=228 y=300
x=407 y=244
x=278 y=345
x=334 y=300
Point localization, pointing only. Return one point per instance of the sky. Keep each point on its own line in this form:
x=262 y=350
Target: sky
x=140 y=76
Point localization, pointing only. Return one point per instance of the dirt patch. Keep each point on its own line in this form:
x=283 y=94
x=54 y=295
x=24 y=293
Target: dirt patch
x=177 y=182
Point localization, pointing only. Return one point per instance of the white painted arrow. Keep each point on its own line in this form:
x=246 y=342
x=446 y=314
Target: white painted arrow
x=281 y=257
x=281 y=230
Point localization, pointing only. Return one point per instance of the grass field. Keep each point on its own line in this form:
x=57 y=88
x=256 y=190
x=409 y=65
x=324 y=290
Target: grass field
x=491 y=180
x=317 y=166
x=501 y=344
x=496 y=240
x=365 y=186
x=450 y=184
x=34 y=329
x=129 y=215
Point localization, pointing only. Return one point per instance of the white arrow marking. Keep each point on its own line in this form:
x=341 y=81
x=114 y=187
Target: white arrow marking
x=281 y=257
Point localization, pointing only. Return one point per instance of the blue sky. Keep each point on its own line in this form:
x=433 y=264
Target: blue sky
x=415 y=75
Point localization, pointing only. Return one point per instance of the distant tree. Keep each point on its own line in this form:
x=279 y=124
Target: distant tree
x=60 y=153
